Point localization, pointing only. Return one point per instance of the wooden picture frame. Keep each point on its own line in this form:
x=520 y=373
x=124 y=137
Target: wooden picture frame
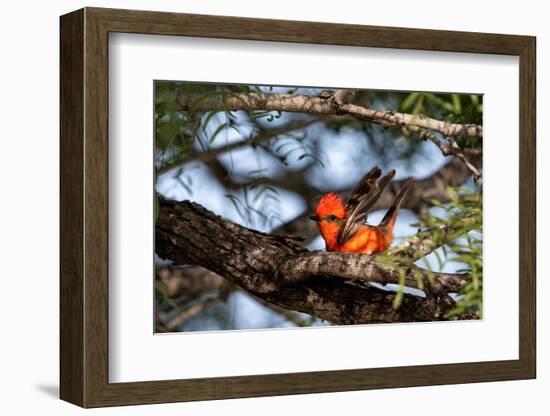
x=84 y=207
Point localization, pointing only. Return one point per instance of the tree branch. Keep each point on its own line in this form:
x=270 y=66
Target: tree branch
x=189 y=313
x=453 y=149
x=423 y=243
x=338 y=103
x=326 y=105
x=266 y=266
x=363 y=269
x=290 y=316
x=188 y=281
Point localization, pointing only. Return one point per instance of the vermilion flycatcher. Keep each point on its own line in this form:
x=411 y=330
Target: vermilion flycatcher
x=342 y=224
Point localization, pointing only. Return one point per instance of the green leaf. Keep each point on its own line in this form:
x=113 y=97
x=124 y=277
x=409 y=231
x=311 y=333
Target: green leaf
x=409 y=101
x=216 y=132
x=165 y=134
x=429 y=270
x=399 y=294
x=162 y=290
x=419 y=106
x=208 y=118
x=438 y=257
x=457 y=106
x=419 y=278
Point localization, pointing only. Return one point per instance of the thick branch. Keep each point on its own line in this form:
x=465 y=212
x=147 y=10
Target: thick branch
x=261 y=264
x=364 y=269
x=326 y=105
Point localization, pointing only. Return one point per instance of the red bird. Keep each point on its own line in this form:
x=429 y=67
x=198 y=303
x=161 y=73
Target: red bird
x=342 y=224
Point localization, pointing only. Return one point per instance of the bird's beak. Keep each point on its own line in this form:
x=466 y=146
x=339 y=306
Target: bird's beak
x=314 y=218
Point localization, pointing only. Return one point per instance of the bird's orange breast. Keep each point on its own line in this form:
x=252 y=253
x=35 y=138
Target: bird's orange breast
x=368 y=240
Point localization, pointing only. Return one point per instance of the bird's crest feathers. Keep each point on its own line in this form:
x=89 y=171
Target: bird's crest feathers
x=331 y=204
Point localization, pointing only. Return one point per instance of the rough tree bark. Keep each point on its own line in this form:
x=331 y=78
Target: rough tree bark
x=330 y=286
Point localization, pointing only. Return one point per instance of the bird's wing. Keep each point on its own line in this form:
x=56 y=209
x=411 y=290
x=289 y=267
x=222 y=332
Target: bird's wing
x=362 y=197
x=362 y=188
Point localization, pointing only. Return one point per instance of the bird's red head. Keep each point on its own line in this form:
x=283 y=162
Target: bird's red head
x=331 y=204
x=329 y=214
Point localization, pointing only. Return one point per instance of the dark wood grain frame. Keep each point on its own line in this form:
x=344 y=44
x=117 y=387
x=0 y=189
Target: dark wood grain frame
x=84 y=207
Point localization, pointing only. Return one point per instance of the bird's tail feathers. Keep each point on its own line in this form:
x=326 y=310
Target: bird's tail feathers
x=391 y=215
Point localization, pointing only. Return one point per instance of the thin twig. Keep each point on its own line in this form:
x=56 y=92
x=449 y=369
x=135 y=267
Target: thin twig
x=457 y=151
x=450 y=150
x=190 y=312
x=423 y=243
x=290 y=316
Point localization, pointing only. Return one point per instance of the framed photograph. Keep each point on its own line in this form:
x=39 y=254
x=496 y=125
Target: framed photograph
x=257 y=207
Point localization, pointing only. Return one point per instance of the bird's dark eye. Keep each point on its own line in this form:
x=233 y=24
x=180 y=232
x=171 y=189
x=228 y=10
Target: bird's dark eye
x=332 y=217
